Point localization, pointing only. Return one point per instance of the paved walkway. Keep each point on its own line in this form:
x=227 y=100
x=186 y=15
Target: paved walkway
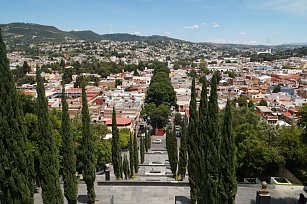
x=166 y=194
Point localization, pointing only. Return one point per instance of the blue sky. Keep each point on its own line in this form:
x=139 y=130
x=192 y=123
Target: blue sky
x=226 y=21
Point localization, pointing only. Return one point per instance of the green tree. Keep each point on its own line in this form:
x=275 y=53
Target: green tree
x=302 y=115
x=242 y=101
x=173 y=158
x=126 y=167
x=213 y=157
x=192 y=145
x=142 y=149
x=146 y=141
x=202 y=147
x=118 y=82
x=250 y=103
x=49 y=155
x=263 y=102
x=89 y=150
x=178 y=119
x=16 y=162
x=25 y=69
x=131 y=156
x=203 y=66
x=161 y=93
x=116 y=148
x=228 y=159
x=159 y=116
x=183 y=159
x=67 y=75
x=69 y=156
x=136 y=154
x=276 y=89
x=26 y=80
x=104 y=153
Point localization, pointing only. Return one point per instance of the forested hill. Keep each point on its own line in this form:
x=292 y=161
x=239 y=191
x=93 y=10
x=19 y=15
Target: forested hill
x=27 y=33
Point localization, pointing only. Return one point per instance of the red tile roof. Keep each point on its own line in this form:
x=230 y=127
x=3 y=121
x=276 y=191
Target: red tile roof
x=120 y=121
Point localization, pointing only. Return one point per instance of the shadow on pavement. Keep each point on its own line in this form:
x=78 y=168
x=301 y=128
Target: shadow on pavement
x=82 y=198
x=182 y=200
x=280 y=201
x=283 y=200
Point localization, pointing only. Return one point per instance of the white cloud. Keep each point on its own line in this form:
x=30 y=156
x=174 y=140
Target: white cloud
x=136 y=33
x=242 y=33
x=279 y=5
x=195 y=26
x=215 y=25
x=167 y=33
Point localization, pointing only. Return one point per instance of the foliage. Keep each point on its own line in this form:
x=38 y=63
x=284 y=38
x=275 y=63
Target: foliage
x=158 y=115
x=126 y=168
x=104 y=154
x=26 y=80
x=131 y=156
x=228 y=159
x=302 y=114
x=142 y=149
x=183 y=160
x=263 y=102
x=136 y=154
x=160 y=89
x=276 y=89
x=213 y=162
x=192 y=146
x=172 y=151
x=116 y=148
x=178 y=119
x=124 y=135
x=16 y=161
x=146 y=141
x=49 y=156
x=89 y=150
x=69 y=156
x=242 y=102
x=118 y=82
x=67 y=76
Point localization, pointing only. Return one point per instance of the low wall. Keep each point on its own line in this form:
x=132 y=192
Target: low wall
x=283 y=172
x=143 y=183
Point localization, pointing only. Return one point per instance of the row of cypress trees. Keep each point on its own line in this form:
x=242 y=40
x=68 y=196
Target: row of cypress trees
x=211 y=150
x=17 y=174
x=124 y=167
x=16 y=161
x=172 y=150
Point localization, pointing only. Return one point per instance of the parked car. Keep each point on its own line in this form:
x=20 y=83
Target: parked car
x=157 y=141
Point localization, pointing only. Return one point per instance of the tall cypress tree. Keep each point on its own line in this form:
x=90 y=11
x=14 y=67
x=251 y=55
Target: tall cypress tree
x=142 y=149
x=203 y=141
x=16 y=182
x=213 y=156
x=146 y=140
x=228 y=182
x=69 y=156
x=136 y=154
x=116 y=149
x=49 y=155
x=172 y=152
x=183 y=159
x=131 y=156
x=89 y=150
x=192 y=147
x=126 y=167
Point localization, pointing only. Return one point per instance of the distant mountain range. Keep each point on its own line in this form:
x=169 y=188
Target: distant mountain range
x=27 y=33
x=23 y=34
